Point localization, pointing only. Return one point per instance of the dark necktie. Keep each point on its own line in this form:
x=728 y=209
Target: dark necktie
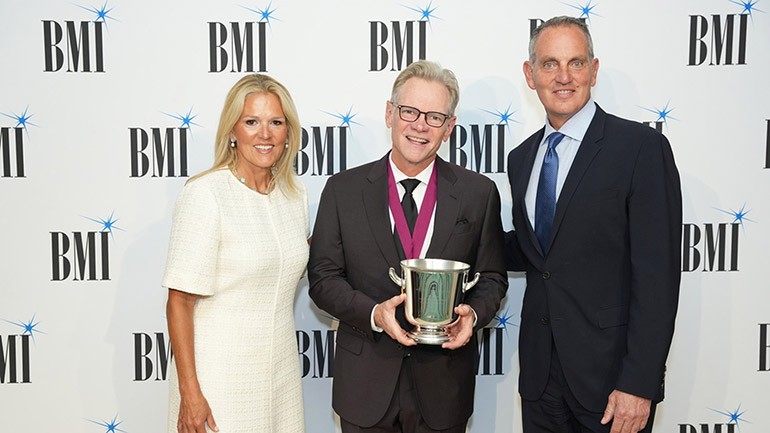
x=545 y=204
x=408 y=203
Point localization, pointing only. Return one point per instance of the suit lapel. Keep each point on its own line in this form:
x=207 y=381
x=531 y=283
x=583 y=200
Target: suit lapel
x=523 y=183
x=589 y=147
x=375 y=197
x=447 y=208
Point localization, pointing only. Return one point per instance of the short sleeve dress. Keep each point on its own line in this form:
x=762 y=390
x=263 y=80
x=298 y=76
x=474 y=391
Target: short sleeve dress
x=244 y=254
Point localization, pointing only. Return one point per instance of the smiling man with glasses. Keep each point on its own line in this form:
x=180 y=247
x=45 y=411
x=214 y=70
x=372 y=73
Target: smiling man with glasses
x=409 y=204
x=410 y=114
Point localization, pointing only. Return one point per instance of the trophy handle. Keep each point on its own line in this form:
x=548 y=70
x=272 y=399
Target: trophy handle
x=467 y=286
x=396 y=279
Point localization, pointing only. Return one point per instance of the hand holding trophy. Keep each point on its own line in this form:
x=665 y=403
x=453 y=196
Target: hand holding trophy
x=433 y=289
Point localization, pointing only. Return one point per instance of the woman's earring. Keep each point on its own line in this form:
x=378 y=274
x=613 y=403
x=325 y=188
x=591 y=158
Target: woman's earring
x=232 y=143
x=286 y=144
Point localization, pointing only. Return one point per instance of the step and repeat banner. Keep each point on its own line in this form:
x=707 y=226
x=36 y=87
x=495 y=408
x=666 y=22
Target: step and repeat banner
x=107 y=108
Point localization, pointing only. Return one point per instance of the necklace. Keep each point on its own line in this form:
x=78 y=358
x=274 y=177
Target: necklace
x=243 y=181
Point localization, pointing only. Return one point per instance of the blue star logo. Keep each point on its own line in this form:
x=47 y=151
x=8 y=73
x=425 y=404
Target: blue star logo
x=265 y=15
x=28 y=327
x=111 y=426
x=345 y=119
x=662 y=113
x=734 y=417
x=21 y=119
x=185 y=119
x=748 y=6
x=504 y=320
x=426 y=13
x=503 y=116
x=586 y=11
x=102 y=14
x=108 y=225
x=738 y=216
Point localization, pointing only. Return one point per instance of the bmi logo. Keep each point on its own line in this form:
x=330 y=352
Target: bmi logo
x=713 y=247
x=316 y=352
x=481 y=147
x=83 y=255
x=489 y=356
x=654 y=124
x=731 y=423
x=662 y=117
x=767 y=145
x=720 y=39
x=764 y=347
x=12 y=144
x=240 y=46
x=15 y=352
x=152 y=356
x=111 y=426
x=161 y=151
x=491 y=349
x=398 y=44
x=324 y=149
x=77 y=46
x=534 y=23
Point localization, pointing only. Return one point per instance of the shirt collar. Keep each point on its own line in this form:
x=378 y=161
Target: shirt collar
x=576 y=127
x=423 y=176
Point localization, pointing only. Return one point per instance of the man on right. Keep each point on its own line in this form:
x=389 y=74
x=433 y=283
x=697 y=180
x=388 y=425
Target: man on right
x=597 y=215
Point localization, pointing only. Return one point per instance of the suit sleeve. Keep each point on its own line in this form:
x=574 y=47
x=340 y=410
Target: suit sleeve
x=655 y=226
x=514 y=257
x=486 y=296
x=329 y=287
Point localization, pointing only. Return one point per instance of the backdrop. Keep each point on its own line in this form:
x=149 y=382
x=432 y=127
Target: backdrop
x=106 y=109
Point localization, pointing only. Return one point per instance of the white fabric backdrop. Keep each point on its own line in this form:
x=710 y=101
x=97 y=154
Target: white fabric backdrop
x=87 y=351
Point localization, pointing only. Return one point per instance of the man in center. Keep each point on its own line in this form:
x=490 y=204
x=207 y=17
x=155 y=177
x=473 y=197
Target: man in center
x=383 y=380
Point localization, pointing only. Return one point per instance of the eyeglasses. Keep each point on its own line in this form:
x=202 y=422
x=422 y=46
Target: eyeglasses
x=411 y=114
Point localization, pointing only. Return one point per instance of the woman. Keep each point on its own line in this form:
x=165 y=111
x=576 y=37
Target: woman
x=238 y=248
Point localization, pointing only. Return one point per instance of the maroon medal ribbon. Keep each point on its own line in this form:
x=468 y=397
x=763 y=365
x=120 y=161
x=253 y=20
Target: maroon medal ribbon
x=412 y=244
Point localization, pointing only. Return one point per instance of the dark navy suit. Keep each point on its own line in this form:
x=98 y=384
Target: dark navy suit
x=606 y=294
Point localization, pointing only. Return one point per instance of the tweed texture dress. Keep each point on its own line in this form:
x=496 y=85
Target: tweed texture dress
x=244 y=254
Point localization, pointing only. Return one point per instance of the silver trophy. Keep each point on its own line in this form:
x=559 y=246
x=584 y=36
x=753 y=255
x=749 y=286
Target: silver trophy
x=432 y=287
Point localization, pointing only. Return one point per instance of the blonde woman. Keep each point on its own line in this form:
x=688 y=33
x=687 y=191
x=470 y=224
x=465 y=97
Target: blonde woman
x=238 y=248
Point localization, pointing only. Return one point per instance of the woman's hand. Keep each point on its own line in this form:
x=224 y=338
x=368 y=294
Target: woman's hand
x=194 y=414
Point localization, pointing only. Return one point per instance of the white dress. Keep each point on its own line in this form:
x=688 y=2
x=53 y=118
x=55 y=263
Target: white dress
x=244 y=253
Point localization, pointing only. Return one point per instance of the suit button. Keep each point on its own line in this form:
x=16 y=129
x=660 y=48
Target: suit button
x=544 y=320
x=546 y=275
x=399 y=347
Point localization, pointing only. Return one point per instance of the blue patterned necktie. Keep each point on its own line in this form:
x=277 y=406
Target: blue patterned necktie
x=545 y=204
